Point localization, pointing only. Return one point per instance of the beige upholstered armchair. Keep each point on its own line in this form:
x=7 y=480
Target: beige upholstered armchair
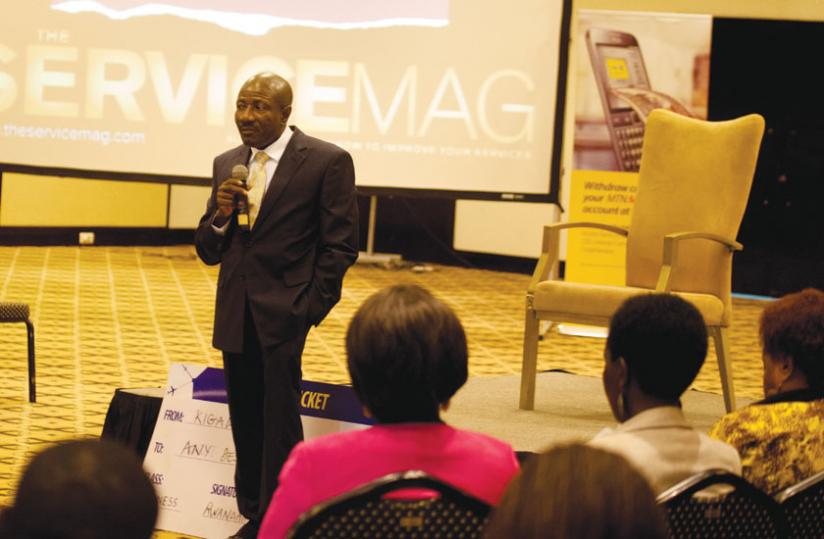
x=694 y=182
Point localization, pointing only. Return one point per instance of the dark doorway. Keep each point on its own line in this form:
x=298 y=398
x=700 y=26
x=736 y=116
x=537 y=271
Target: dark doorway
x=773 y=68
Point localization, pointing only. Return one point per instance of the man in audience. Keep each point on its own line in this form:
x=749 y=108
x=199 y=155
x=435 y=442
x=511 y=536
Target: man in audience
x=657 y=344
x=85 y=489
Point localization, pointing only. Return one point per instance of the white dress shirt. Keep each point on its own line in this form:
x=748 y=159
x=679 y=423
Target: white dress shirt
x=275 y=152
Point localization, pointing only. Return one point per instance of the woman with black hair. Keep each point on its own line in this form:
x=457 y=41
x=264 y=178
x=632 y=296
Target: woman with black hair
x=407 y=356
x=657 y=343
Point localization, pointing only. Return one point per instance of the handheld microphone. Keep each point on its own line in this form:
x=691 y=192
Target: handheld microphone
x=239 y=172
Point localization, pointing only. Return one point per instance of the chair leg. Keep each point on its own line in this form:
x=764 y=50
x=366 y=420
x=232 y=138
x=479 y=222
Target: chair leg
x=32 y=386
x=530 y=361
x=722 y=351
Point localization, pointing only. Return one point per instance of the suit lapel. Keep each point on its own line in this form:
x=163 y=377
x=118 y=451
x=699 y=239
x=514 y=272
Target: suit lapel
x=239 y=156
x=290 y=161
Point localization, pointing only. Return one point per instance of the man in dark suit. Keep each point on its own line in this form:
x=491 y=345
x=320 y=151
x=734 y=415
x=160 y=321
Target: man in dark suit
x=277 y=278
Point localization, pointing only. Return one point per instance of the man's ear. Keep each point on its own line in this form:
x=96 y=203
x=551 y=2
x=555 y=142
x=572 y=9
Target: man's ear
x=286 y=112
x=622 y=372
x=786 y=367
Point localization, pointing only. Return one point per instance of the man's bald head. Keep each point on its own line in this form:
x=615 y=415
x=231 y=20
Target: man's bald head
x=263 y=106
x=277 y=85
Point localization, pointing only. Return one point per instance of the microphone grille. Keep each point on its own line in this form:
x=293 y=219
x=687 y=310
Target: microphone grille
x=240 y=172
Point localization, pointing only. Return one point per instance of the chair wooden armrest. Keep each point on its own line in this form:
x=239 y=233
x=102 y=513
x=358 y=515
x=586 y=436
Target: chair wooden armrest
x=548 y=261
x=671 y=243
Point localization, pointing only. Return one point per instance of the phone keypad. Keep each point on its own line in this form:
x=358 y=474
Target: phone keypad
x=629 y=137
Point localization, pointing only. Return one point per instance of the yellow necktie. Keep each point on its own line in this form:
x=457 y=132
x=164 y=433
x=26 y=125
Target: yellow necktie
x=257 y=185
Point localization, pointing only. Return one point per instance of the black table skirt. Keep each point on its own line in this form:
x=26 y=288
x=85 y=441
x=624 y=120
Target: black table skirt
x=132 y=416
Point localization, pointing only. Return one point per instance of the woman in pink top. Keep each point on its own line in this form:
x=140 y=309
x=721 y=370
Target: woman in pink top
x=407 y=356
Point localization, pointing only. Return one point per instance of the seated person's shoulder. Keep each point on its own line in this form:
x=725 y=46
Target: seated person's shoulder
x=755 y=421
x=632 y=448
x=483 y=440
x=482 y=448
x=725 y=453
x=335 y=441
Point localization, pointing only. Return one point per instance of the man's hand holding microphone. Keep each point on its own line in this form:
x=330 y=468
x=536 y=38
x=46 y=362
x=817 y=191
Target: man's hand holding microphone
x=233 y=194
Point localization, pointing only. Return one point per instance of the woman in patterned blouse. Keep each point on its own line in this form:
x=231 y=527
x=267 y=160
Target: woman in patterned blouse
x=781 y=438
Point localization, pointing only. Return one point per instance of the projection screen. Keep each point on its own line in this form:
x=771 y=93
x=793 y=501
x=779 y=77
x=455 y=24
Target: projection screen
x=448 y=95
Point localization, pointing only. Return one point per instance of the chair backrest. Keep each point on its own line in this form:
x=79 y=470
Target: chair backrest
x=719 y=504
x=366 y=512
x=803 y=505
x=695 y=176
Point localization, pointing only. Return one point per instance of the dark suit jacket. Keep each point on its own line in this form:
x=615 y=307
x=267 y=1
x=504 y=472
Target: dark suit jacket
x=290 y=266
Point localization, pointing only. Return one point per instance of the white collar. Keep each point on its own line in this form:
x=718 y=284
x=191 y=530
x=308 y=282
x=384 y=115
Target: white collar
x=655 y=418
x=276 y=149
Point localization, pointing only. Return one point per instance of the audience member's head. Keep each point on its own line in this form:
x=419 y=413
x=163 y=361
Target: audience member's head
x=792 y=336
x=82 y=489
x=657 y=344
x=577 y=491
x=407 y=354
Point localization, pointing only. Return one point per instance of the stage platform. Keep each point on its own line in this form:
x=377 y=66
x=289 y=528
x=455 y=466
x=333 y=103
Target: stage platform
x=568 y=408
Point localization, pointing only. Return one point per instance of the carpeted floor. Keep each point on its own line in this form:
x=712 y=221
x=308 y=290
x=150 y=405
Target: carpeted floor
x=109 y=317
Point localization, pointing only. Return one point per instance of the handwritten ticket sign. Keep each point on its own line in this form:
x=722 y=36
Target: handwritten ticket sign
x=191 y=457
